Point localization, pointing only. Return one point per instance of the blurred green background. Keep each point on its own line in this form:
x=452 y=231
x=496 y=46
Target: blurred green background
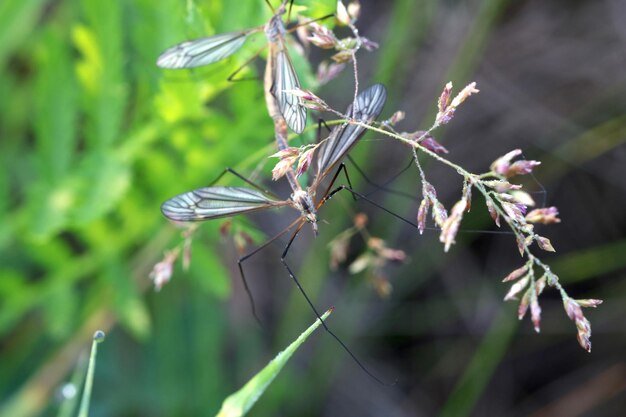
x=93 y=137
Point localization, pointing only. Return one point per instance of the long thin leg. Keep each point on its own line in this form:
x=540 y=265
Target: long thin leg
x=231 y=77
x=247 y=256
x=342 y=167
x=241 y=177
x=308 y=22
x=363 y=197
x=383 y=186
x=270 y=6
x=317 y=314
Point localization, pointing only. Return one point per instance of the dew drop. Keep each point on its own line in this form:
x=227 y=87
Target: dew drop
x=68 y=391
x=99 y=336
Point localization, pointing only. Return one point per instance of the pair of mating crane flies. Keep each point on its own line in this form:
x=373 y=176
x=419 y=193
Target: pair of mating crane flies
x=218 y=201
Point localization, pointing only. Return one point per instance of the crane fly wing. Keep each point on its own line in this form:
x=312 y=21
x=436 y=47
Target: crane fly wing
x=286 y=79
x=369 y=104
x=215 y=202
x=203 y=51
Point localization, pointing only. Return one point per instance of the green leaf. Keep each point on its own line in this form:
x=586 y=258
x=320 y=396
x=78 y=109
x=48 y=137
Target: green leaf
x=17 y=19
x=239 y=403
x=56 y=107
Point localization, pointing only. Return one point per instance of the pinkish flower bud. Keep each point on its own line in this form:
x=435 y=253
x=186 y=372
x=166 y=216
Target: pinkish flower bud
x=369 y=45
x=491 y=208
x=450 y=227
x=523 y=304
x=584 y=334
x=522 y=167
x=464 y=94
x=540 y=284
x=544 y=243
x=467 y=195
x=575 y=313
x=516 y=288
x=535 y=313
x=522 y=197
x=447 y=108
x=429 y=191
x=501 y=165
x=422 y=212
x=305 y=161
x=514 y=211
x=327 y=72
x=445 y=117
x=547 y=215
x=440 y=214
x=590 y=302
x=286 y=153
x=518 y=273
x=432 y=145
x=322 y=37
x=309 y=99
x=572 y=308
x=522 y=244
x=162 y=271
x=282 y=167
x=501 y=186
x=396 y=118
x=444 y=98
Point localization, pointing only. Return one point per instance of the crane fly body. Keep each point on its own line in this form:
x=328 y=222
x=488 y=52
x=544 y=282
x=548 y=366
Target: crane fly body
x=218 y=201
x=211 y=49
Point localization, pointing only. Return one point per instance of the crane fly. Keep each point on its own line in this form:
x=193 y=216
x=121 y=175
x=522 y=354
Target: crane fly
x=211 y=49
x=217 y=201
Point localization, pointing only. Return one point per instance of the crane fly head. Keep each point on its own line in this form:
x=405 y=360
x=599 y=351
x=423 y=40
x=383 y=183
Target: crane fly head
x=304 y=203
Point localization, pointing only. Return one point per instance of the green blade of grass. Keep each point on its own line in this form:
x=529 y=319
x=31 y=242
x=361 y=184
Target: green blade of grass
x=240 y=402
x=83 y=411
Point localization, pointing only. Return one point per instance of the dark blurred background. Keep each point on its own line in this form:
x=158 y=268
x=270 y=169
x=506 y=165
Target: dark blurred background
x=93 y=137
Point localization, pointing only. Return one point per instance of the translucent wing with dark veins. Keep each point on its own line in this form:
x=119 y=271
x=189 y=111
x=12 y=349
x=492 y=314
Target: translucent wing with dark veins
x=286 y=79
x=203 y=51
x=369 y=104
x=215 y=202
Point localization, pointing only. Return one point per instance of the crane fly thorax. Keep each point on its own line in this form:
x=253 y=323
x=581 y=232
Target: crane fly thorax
x=275 y=28
x=303 y=202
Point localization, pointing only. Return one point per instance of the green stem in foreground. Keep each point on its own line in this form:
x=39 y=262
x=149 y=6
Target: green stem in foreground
x=86 y=399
